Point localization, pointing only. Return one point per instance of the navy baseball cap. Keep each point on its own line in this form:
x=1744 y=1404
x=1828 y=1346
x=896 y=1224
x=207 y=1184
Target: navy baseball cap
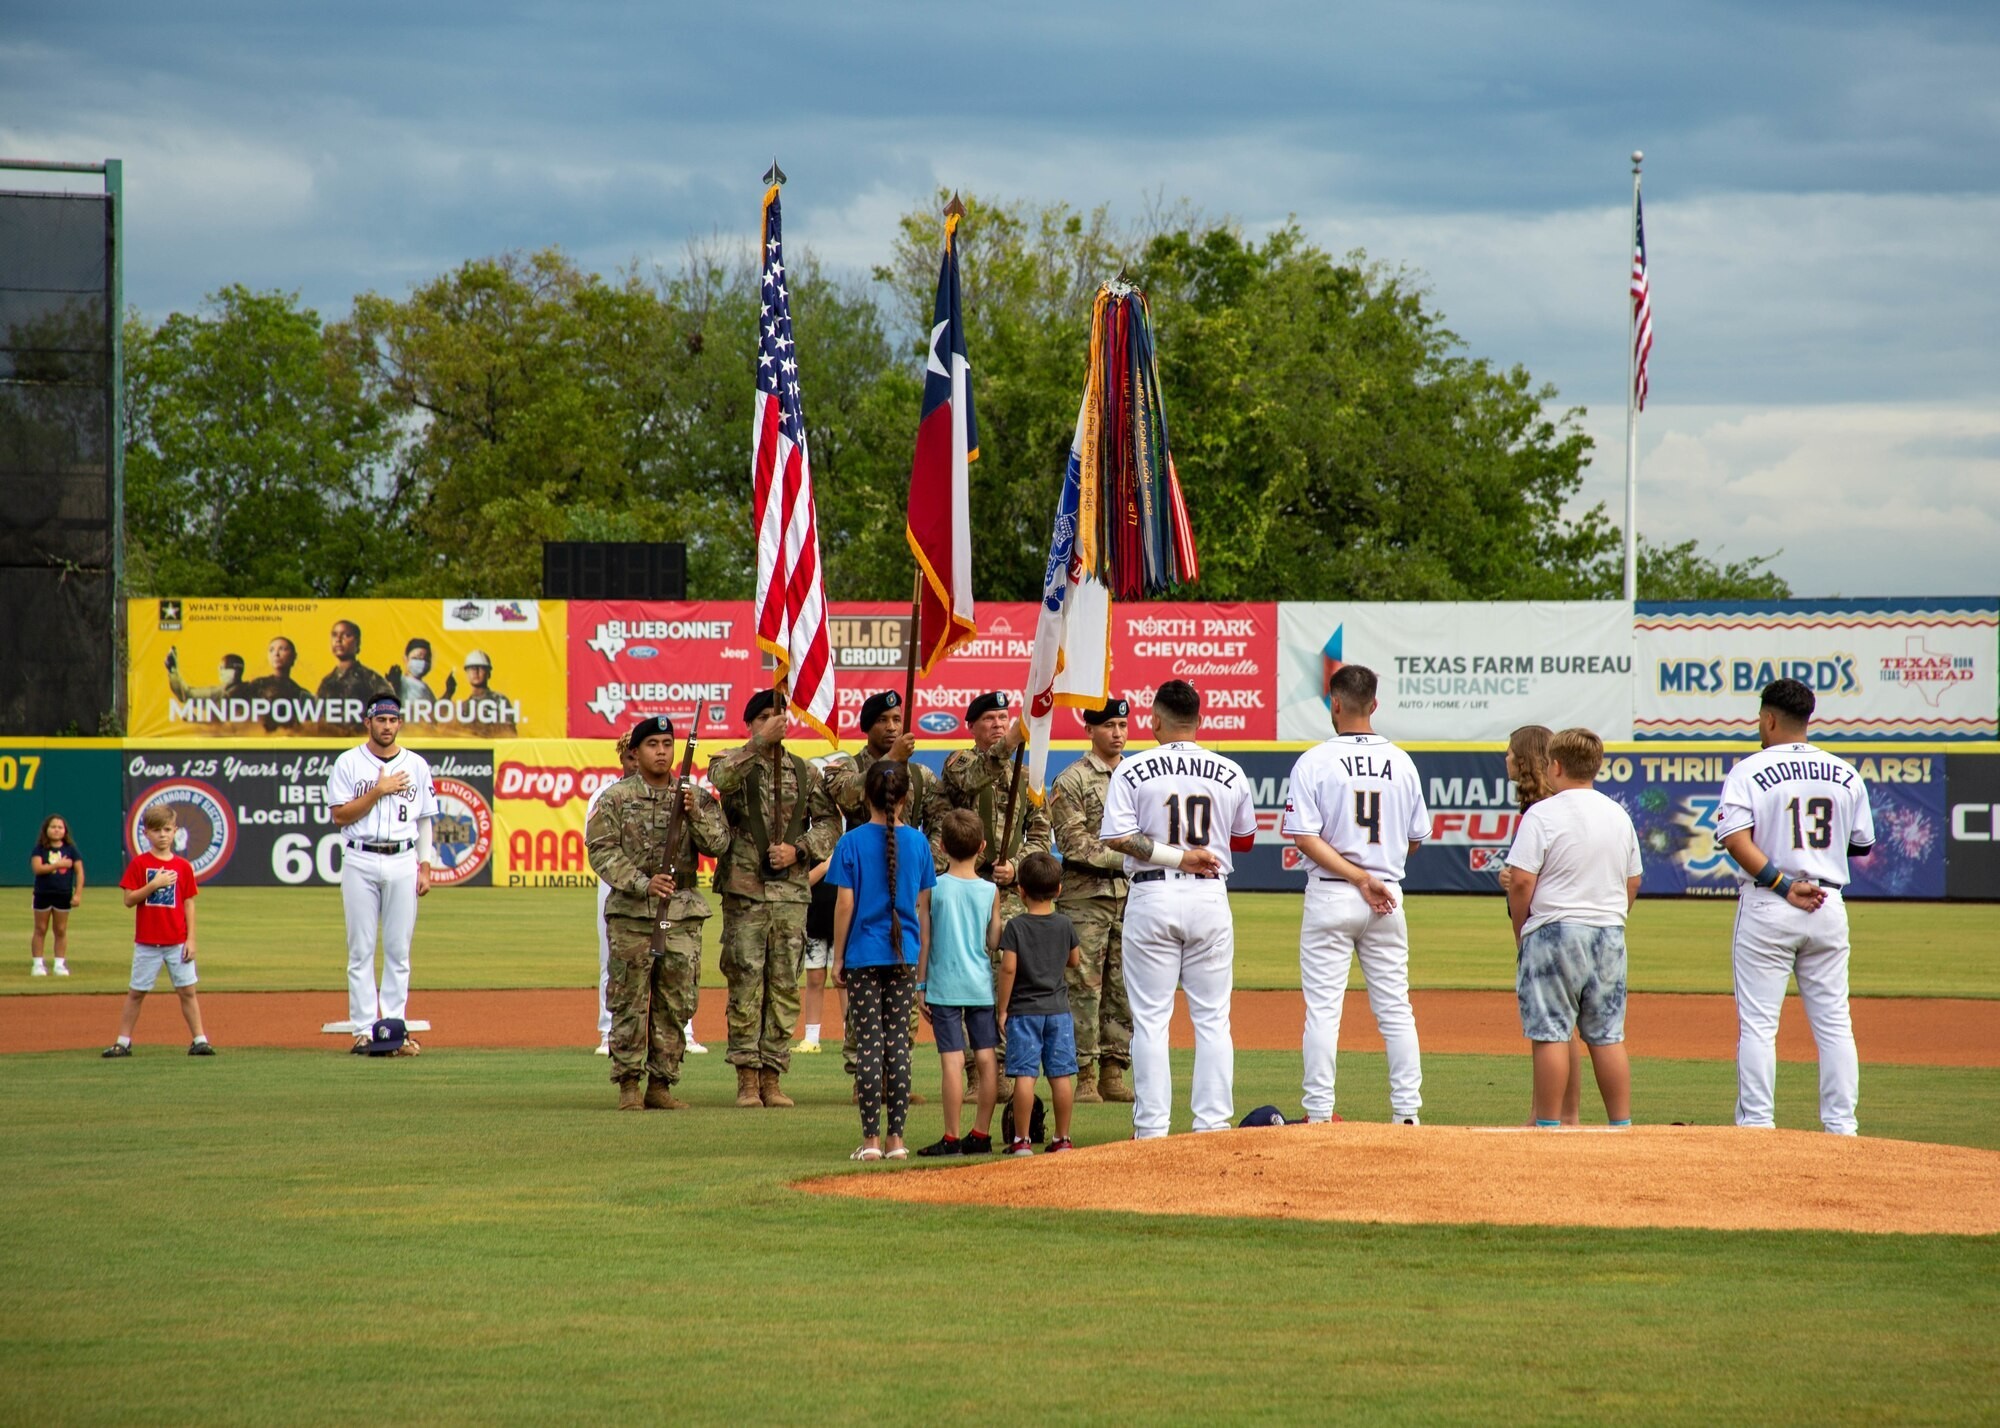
x=1264 y=1116
x=387 y=1036
x=385 y=703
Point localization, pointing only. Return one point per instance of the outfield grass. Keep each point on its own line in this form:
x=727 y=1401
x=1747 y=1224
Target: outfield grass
x=284 y=939
x=477 y=1238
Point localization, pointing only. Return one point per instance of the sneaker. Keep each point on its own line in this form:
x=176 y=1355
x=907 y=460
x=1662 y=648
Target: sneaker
x=1020 y=1145
x=116 y=1050
x=62 y=969
x=1061 y=1142
x=803 y=1048
x=973 y=1143
x=946 y=1146
x=604 y=1047
x=41 y=968
x=1404 y=1121
x=694 y=1048
x=201 y=1048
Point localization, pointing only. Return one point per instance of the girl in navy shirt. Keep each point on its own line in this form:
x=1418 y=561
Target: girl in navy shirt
x=881 y=927
x=58 y=888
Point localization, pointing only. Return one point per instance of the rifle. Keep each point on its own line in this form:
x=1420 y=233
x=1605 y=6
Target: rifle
x=1013 y=809
x=670 y=858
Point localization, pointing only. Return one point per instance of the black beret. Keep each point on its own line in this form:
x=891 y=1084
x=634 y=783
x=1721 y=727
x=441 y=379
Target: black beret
x=760 y=701
x=646 y=728
x=1113 y=709
x=986 y=704
x=877 y=706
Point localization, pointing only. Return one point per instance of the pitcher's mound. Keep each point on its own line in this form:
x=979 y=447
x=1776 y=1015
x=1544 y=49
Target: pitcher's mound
x=1711 y=1178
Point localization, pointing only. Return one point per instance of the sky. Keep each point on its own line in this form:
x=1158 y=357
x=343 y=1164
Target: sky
x=1822 y=188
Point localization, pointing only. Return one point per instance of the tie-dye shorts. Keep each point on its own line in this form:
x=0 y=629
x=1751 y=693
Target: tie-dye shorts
x=1569 y=976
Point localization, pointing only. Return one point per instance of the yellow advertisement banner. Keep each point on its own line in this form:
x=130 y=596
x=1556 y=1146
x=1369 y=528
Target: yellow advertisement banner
x=464 y=669
x=541 y=788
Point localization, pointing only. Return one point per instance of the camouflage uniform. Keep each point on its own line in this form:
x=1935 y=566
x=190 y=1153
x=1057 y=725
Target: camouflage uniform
x=846 y=783
x=1093 y=898
x=764 y=914
x=625 y=837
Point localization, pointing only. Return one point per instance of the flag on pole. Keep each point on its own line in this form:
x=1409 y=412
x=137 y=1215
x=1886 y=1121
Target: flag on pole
x=1642 y=304
x=1071 y=660
x=939 y=525
x=791 y=597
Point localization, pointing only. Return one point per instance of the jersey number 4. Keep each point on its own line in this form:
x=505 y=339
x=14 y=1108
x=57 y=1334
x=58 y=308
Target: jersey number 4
x=1820 y=812
x=1368 y=812
x=1199 y=816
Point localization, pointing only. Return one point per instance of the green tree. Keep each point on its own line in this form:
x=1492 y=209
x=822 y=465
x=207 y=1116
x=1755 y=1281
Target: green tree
x=252 y=456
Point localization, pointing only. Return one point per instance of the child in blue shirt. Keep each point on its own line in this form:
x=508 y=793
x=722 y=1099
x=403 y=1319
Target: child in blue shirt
x=955 y=983
x=881 y=932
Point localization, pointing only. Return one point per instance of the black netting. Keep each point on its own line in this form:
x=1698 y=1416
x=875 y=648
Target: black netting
x=57 y=604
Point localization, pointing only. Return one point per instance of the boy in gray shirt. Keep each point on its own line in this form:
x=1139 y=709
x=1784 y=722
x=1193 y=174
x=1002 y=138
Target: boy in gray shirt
x=1037 y=947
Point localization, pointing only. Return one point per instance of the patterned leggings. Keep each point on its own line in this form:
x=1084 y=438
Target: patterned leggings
x=878 y=1027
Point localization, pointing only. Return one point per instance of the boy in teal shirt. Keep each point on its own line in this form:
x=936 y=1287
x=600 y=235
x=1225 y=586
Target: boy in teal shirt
x=955 y=983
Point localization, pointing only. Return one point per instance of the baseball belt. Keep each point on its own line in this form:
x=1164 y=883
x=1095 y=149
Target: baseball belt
x=381 y=847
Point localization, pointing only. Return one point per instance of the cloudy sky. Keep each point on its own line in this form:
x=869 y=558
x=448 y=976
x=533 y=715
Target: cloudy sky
x=1822 y=184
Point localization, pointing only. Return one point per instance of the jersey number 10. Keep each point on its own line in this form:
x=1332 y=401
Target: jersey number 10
x=1199 y=816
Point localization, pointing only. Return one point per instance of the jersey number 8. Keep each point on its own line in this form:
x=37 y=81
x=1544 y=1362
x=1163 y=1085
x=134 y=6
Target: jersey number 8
x=1199 y=816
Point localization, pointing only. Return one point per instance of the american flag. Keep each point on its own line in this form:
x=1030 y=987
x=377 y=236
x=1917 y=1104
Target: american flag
x=1642 y=304
x=791 y=598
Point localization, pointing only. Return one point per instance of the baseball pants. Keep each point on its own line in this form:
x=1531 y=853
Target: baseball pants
x=378 y=889
x=1178 y=933
x=1775 y=941
x=1337 y=927
x=603 y=965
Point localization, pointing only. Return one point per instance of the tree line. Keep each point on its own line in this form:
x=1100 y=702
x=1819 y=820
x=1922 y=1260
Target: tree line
x=1334 y=438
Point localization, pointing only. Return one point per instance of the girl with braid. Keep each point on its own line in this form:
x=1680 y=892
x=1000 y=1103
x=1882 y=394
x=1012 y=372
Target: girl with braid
x=1528 y=767
x=881 y=931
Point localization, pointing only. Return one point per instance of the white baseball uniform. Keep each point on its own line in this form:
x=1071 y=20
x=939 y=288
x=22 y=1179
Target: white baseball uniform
x=603 y=933
x=1805 y=808
x=1178 y=930
x=378 y=877
x=1361 y=794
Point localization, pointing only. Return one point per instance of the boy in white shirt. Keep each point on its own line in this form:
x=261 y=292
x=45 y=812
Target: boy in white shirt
x=1575 y=865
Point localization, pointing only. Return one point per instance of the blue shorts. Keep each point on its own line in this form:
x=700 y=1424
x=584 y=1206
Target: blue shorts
x=1041 y=1045
x=955 y=1026
x=1570 y=977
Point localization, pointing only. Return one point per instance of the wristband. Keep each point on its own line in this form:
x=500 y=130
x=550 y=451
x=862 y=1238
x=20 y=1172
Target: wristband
x=1768 y=875
x=1783 y=885
x=1166 y=855
x=922 y=985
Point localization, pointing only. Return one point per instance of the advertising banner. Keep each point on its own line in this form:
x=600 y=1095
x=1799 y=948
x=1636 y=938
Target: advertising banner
x=78 y=782
x=1461 y=673
x=259 y=818
x=1972 y=788
x=540 y=790
x=697 y=663
x=1881 y=669
x=1672 y=800
x=232 y=669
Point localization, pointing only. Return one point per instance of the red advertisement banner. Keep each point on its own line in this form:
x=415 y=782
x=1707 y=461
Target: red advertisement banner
x=697 y=662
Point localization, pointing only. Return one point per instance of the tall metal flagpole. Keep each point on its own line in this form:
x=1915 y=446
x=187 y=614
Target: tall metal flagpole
x=1632 y=398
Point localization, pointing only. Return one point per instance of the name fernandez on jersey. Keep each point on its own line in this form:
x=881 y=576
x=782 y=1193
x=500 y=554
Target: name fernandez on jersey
x=1168 y=762
x=1183 y=796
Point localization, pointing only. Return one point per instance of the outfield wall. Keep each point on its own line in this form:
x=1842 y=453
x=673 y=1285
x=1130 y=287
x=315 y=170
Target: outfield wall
x=513 y=811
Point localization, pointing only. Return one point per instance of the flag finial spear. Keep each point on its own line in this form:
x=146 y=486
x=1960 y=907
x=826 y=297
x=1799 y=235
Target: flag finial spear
x=1638 y=158
x=954 y=209
x=774 y=175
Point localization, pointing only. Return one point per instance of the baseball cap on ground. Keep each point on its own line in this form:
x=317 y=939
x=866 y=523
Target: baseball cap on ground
x=387 y=1036
x=1264 y=1116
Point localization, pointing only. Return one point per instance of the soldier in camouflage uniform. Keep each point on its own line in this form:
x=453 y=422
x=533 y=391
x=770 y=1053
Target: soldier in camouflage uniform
x=1093 y=899
x=765 y=887
x=979 y=778
x=882 y=726
x=626 y=839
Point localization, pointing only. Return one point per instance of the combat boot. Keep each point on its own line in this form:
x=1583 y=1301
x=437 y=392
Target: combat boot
x=746 y=1087
x=1112 y=1085
x=767 y=1087
x=631 y=1095
x=660 y=1097
x=1086 y=1087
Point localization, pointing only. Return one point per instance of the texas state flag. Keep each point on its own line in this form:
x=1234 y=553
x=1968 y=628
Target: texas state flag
x=940 y=517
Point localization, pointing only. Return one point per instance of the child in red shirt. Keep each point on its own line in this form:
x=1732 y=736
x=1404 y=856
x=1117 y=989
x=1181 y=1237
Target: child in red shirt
x=161 y=887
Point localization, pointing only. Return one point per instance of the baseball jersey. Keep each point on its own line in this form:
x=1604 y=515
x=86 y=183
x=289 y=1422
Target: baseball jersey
x=1804 y=807
x=1361 y=794
x=1180 y=794
x=161 y=920
x=393 y=819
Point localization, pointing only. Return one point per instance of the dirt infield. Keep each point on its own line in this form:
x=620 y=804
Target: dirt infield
x=1909 y=1031
x=1663 y=1177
